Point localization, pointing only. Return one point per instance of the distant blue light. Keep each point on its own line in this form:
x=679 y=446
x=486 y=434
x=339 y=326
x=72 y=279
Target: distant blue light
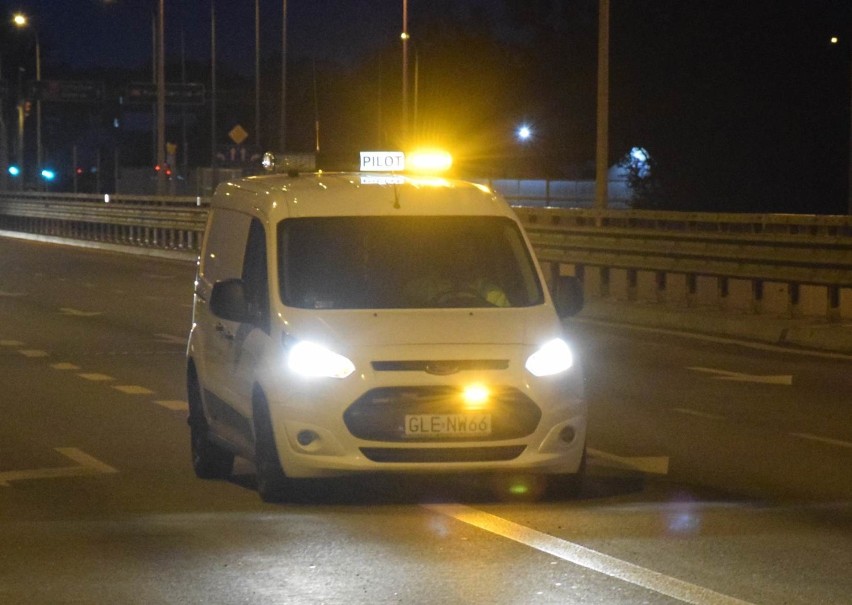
x=524 y=132
x=48 y=174
x=14 y=170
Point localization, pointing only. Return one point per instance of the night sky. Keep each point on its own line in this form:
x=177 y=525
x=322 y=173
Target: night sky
x=743 y=105
x=118 y=33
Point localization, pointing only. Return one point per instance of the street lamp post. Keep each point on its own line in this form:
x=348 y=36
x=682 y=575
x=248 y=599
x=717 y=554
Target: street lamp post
x=20 y=20
x=405 y=38
x=161 y=101
x=282 y=131
x=257 y=71
x=602 y=147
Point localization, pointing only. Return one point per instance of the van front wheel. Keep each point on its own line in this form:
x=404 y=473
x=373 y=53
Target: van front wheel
x=568 y=485
x=209 y=461
x=272 y=483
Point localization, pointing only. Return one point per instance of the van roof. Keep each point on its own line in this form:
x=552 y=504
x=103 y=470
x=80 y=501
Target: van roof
x=357 y=194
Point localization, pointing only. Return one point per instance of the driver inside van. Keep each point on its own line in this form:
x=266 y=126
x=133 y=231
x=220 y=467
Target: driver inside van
x=458 y=280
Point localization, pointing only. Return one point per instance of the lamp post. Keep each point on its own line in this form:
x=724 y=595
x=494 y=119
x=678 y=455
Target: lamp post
x=21 y=21
x=161 y=101
x=257 y=71
x=405 y=37
x=282 y=139
x=602 y=147
x=213 y=89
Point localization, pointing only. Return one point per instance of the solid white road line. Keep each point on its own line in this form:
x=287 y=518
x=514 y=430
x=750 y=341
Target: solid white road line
x=782 y=379
x=586 y=557
x=827 y=440
x=698 y=414
x=655 y=465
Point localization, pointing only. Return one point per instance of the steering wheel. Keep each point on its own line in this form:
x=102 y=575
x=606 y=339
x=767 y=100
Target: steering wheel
x=462 y=297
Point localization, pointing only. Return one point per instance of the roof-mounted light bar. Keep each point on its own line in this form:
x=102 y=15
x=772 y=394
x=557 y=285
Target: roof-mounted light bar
x=422 y=161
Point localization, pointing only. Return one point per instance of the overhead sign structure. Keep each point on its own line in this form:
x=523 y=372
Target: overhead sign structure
x=67 y=91
x=382 y=161
x=177 y=93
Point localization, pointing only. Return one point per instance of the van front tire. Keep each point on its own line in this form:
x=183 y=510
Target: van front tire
x=272 y=483
x=209 y=461
x=570 y=485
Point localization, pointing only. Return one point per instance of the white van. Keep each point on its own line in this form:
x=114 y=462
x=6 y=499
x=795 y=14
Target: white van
x=365 y=323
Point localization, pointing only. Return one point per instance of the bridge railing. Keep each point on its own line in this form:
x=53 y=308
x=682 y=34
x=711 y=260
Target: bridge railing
x=722 y=259
x=791 y=264
x=148 y=221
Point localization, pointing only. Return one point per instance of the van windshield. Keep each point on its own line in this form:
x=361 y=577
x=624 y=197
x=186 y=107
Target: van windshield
x=377 y=262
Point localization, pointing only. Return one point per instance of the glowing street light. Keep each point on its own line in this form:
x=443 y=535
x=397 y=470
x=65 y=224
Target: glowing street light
x=21 y=21
x=524 y=133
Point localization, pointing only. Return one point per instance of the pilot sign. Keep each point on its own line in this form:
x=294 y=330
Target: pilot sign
x=382 y=161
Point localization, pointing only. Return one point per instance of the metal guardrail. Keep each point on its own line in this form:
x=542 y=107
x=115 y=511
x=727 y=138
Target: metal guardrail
x=797 y=250
x=159 y=222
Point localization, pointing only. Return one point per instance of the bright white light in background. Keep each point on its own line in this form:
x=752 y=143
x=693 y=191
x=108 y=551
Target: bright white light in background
x=524 y=132
x=835 y=39
x=638 y=161
x=639 y=154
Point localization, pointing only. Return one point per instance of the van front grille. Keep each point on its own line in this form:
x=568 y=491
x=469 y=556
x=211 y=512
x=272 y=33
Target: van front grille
x=454 y=454
x=379 y=414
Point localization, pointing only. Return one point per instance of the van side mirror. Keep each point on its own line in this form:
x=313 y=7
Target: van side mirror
x=228 y=301
x=567 y=295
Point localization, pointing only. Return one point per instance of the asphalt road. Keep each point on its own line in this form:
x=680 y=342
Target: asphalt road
x=720 y=474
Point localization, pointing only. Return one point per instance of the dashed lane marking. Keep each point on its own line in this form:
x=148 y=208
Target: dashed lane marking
x=33 y=353
x=173 y=404
x=64 y=366
x=86 y=465
x=78 y=313
x=130 y=389
x=176 y=405
x=586 y=557
x=94 y=377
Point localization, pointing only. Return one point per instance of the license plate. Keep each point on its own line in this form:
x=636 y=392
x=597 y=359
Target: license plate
x=447 y=425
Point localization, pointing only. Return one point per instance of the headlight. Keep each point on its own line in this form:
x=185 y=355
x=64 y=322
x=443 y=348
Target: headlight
x=552 y=358
x=314 y=361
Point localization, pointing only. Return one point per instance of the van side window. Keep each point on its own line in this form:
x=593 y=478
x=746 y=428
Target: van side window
x=255 y=276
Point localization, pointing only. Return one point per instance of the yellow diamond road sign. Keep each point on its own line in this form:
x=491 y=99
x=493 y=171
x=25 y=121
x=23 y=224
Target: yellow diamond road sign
x=238 y=134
